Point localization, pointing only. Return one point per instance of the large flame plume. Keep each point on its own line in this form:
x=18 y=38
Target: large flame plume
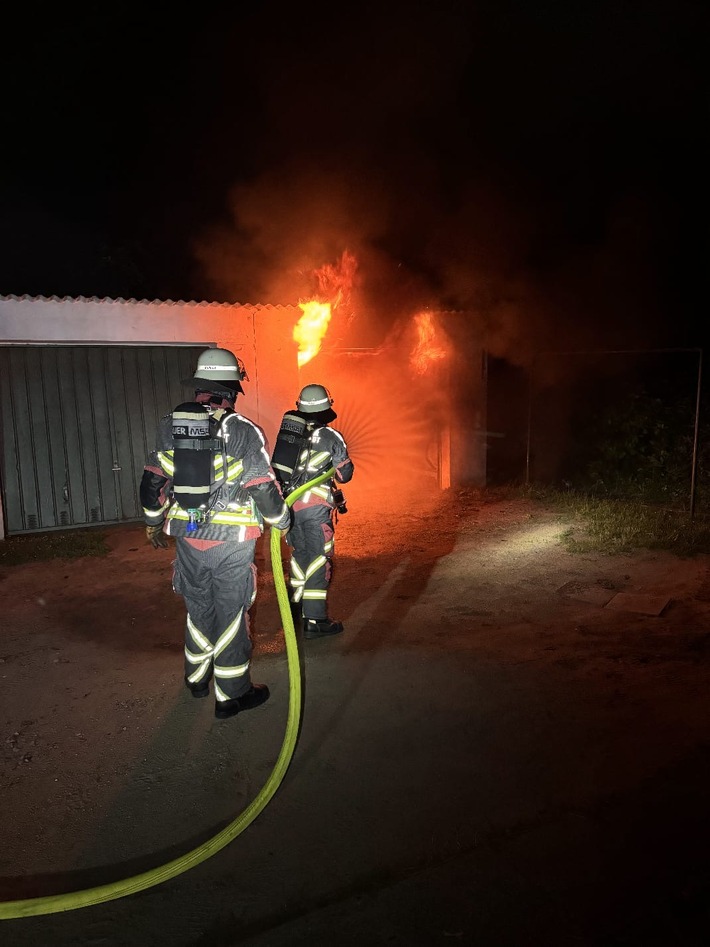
x=429 y=347
x=310 y=329
x=334 y=288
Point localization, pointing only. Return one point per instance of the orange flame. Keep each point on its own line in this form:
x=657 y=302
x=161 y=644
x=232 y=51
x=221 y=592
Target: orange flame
x=427 y=349
x=334 y=285
x=311 y=327
x=336 y=282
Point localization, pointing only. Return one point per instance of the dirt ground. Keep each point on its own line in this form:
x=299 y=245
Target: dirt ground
x=509 y=745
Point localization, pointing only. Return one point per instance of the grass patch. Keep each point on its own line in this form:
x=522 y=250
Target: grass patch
x=38 y=547
x=623 y=526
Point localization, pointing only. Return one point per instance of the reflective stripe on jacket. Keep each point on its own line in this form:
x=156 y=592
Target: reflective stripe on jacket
x=240 y=502
x=327 y=449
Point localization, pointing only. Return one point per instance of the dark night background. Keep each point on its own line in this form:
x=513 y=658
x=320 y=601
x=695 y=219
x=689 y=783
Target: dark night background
x=541 y=166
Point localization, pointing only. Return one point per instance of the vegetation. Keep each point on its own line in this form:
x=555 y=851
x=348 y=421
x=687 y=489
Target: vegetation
x=623 y=526
x=643 y=450
x=37 y=547
x=625 y=478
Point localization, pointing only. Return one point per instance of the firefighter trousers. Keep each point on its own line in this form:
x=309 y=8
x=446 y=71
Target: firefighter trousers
x=311 y=539
x=218 y=585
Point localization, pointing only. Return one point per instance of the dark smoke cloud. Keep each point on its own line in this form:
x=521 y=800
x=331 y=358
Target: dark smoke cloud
x=539 y=167
x=470 y=162
x=479 y=258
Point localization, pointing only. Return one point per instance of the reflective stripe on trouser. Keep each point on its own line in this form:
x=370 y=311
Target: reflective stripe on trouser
x=311 y=541
x=218 y=585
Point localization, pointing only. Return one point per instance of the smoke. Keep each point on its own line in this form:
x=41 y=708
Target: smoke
x=413 y=143
x=520 y=291
x=292 y=221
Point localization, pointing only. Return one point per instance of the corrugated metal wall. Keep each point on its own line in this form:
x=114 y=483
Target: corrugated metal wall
x=77 y=423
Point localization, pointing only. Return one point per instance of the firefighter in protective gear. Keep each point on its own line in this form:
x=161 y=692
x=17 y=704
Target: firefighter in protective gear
x=214 y=570
x=311 y=537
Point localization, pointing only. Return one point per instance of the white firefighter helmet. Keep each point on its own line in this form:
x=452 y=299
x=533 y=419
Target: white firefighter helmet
x=316 y=400
x=218 y=370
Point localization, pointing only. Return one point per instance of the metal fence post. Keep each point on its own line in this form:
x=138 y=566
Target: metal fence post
x=696 y=435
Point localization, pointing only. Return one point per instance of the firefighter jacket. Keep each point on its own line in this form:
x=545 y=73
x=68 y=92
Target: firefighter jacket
x=244 y=494
x=326 y=448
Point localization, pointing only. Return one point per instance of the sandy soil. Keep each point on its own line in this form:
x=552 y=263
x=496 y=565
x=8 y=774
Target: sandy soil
x=512 y=697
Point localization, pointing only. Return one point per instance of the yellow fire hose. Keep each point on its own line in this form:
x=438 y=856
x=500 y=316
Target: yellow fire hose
x=53 y=904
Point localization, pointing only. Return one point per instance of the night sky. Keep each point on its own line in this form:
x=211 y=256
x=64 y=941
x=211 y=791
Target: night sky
x=542 y=166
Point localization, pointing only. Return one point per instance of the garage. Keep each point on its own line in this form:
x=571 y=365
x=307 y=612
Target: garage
x=83 y=383
x=77 y=423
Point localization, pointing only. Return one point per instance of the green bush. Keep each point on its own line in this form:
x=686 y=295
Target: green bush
x=642 y=450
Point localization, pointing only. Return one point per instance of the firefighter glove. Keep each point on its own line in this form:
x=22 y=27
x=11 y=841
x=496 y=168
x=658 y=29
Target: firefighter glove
x=156 y=536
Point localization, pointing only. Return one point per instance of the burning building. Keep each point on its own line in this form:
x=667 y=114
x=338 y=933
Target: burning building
x=84 y=381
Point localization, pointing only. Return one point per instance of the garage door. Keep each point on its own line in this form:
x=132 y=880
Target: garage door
x=77 y=424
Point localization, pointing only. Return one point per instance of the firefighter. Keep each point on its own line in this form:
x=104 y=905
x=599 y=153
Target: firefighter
x=209 y=483
x=306 y=447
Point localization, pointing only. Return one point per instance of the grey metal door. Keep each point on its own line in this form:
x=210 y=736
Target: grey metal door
x=77 y=423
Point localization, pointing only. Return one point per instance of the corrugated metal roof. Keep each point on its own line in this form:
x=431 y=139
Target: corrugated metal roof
x=105 y=300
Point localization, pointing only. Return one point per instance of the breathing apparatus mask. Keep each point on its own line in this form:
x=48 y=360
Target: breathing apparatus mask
x=215 y=400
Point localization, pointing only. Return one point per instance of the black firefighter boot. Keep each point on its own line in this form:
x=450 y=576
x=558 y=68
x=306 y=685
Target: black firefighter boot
x=257 y=695
x=321 y=627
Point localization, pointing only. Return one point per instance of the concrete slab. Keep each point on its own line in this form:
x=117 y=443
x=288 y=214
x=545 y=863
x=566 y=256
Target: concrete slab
x=640 y=602
x=591 y=594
